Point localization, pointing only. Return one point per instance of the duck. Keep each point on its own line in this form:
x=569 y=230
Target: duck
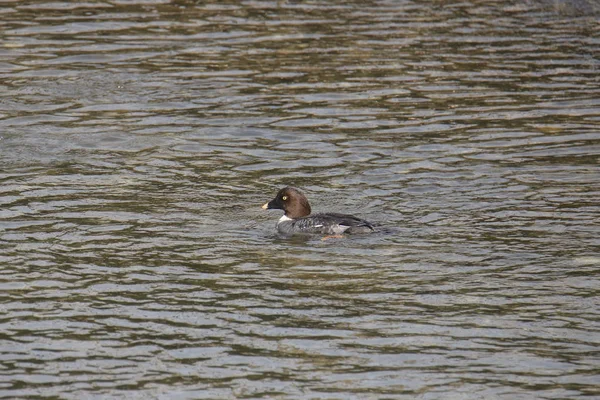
x=297 y=217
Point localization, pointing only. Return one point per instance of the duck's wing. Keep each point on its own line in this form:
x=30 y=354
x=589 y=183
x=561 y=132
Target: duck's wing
x=339 y=223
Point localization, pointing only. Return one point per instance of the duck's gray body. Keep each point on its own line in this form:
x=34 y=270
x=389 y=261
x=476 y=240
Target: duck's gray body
x=325 y=224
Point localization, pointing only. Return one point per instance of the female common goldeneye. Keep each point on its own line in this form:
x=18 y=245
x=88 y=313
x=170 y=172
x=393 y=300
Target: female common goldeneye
x=297 y=218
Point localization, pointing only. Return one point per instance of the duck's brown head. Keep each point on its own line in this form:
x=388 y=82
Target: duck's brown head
x=291 y=201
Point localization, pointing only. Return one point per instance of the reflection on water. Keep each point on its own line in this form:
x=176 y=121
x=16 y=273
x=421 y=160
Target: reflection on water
x=139 y=139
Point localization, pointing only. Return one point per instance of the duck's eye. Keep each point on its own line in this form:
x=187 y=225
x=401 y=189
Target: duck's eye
x=284 y=198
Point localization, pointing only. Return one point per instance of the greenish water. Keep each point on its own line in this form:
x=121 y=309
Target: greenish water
x=138 y=141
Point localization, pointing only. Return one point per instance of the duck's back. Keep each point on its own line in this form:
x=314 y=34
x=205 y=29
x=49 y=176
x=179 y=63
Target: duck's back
x=326 y=223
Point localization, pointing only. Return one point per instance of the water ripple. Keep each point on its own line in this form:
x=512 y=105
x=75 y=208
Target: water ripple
x=138 y=142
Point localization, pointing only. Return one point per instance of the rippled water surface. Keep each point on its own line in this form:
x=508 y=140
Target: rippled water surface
x=138 y=140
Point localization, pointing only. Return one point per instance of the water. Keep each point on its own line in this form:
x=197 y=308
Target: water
x=138 y=141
